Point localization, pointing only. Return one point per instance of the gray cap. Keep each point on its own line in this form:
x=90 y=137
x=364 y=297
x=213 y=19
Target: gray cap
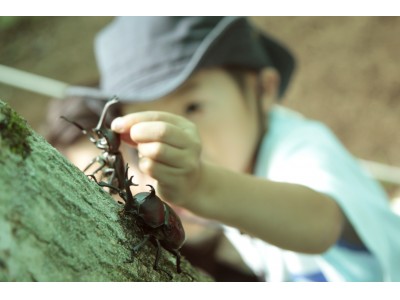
x=145 y=58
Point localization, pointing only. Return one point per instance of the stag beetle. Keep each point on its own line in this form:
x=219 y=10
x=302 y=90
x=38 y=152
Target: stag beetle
x=157 y=219
x=110 y=160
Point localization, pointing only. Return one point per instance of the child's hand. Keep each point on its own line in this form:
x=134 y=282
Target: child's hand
x=169 y=150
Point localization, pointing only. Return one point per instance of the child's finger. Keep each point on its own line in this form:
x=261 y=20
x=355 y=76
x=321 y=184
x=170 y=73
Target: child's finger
x=165 y=175
x=159 y=132
x=126 y=137
x=124 y=123
x=163 y=153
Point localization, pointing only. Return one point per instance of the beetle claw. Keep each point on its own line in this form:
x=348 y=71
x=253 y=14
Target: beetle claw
x=93 y=178
x=131 y=182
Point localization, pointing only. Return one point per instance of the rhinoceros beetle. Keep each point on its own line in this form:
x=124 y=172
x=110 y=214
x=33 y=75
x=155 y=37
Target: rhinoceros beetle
x=110 y=161
x=157 y=219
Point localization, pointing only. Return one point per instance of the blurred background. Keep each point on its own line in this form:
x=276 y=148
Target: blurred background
x=348 y=72
x=348 y=76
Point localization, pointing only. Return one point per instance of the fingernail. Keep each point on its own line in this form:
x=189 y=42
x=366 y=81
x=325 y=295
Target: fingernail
x=117 y=124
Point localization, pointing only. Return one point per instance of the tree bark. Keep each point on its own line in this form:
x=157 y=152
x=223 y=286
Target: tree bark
x=57 y=225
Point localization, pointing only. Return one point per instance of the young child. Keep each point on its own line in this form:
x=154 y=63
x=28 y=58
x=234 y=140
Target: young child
x=199 y=104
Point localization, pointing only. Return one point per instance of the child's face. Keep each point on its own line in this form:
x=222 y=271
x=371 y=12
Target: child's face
x=227 y=117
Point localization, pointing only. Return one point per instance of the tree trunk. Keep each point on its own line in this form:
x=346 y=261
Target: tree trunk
x=57 y=225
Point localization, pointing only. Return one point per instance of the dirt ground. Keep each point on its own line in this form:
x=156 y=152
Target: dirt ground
x=348 y=71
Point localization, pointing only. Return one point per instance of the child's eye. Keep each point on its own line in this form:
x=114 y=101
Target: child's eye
x=192 y=108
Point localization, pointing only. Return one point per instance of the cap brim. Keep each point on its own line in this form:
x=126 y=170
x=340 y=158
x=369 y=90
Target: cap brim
x=162 y=87
x=172 y=79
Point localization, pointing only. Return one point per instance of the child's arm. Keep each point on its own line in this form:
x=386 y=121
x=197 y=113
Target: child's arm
x=289 y=216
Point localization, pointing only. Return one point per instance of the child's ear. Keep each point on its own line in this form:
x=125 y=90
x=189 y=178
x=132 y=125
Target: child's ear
x=269 y=81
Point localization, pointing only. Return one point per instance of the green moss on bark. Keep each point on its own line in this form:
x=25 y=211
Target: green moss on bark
x=13 y=131
x=57 y=225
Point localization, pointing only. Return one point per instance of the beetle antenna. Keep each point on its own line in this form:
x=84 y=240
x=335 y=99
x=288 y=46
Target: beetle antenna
x=84 y=131
x=104 y=112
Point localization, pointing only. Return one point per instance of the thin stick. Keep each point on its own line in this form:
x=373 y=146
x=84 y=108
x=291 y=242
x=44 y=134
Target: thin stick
x=382 y=172
x=32 y=82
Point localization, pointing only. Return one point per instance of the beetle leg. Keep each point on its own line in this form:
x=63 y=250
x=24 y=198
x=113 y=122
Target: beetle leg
x=136 y=248
x=90 y=136
x=111 y=187
x=178 y=264
x=93 y=178
x=90 y=164
x=102 y=164
x=106 y=184
x=178 y=260
x=111 y=175
x=155 y=267
x=158 y=253
x=96 y=159
x=112 y=178
x=140 y=245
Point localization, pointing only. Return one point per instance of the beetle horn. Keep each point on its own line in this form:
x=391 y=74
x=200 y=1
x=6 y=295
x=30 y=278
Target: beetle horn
x=152 y=191
x=104 y=112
